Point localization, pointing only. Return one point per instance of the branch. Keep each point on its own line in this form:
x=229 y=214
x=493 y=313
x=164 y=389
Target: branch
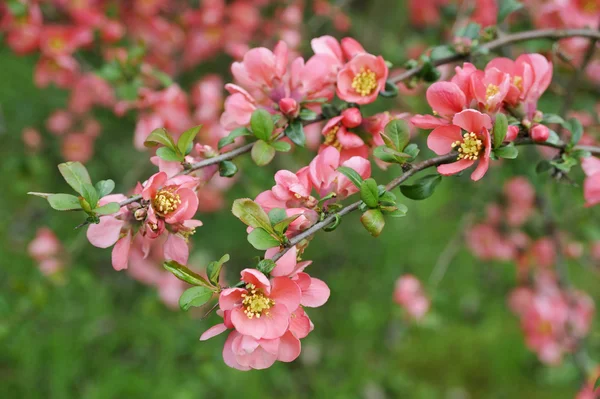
x=550 y=34
x=559 y=146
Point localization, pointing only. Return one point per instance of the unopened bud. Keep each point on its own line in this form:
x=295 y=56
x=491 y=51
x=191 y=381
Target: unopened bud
x=538 y=116
x=289 y=107
x=527 y=123
x=351 y=117
x=140 y=214
x=540 y=133
x=511 y=133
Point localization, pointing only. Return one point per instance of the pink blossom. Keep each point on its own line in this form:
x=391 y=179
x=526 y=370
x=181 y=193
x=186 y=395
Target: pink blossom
x=32 y=139
x=490 y=88
x=410 y=295
x=244 y=352
x=60 y=122
x=539 y=133
x=61 y=70
x=446 y=99
x=337 y=135
x=473 y=145
x=487 y=244
x=591 y=184
x=77 y=147
x=172 y=199
x=362 y=78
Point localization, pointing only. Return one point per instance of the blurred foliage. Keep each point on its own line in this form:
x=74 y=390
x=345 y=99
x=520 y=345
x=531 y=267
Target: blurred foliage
x=100 y=334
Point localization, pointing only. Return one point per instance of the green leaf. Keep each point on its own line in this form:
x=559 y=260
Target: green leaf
x=276 y=215
x=565 y=163
x=167 y=154
x=262 y=240
x=442 y=52
x=396 y=135
x=64 y=202
x=507 y=152
x=186 y=140
x=90 y=194
x=227 y=169
x=185 y=274
x=553 y=138
x=234 y=134
x=295 y=132
x=195 y=296
x=382 y=153
x=75 y=174
x=308 y=115
x=281 y=226
x=369 y=193
x=262 y=125
x=471 y=31
x=266 y=266
x=507 y=7
x=373 y=221
x=422 y=188
x=160 y=136
x=41 y=195
x=399 y=212
x=429 y=73
x=412 y=150
x=262 y=153
x=352 y=175
x=252 y=214
x=576 y=131
x=107 y=209
x=543 y=166
x=105 y=187
x=281 y=146
x=390 y=90
x=549 y=119
x=500 y=129
x=17 y=8
x=213 y=270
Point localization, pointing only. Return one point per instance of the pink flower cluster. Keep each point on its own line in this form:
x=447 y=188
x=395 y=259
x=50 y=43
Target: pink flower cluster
x=409 y=294
x=266 y=315
x=47 y=250
x=553 y=320
x=466 y=106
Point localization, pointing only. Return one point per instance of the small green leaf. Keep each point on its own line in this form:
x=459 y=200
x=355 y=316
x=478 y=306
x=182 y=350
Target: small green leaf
x=308 y=115
x=565 y=163
x=382 y=153
x=252 y=214
x=107 y=209
x=234 y=134
x=160 y=136
x=390 y=90
x=90 y=194
x=41 y=195
x=105 y=187
x=262 y=153
x=442 y=52
x=352 y=175
x=75 y=174
x=266 y=266
x=369 y=193
x=500 y=129
x=295 y=132
x=471 y=31
x=186 y=140
x=262 y=240
x=399 y=212
x=507 y=152
x=373 y=221
x=281 y=146
x=213 y=270
x=543 y=166
x=576 y=131
x=422 y=188
x=64 y=202
x=168 y=154
x=276 y=215
x=281 y=226
x=195 y=296
x=412 y=150
x=553 y=138
x=507 y=7
x=262 y=125
x=185 y=274
x=396 y=135
x=429 y=73
x=549 y=119
x=227 y=169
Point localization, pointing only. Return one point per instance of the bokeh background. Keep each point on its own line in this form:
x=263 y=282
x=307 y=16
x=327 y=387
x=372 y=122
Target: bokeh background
x=97 y=333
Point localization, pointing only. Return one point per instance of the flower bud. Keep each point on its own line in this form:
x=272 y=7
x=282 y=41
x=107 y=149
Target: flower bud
x=526 y=122
x=511 y=133
x=289 y=107
x=140 y=214
x=351 y=117
x=540 y=133
x=538 y=116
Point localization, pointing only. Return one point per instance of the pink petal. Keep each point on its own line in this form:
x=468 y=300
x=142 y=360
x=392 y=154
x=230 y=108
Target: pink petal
x=120 y=253
x=472 y=121
x=441 y=138
x=446 y=98
x=289 y=348
x=455 y=167
x=155 y=182
x=255 y=327
x=348 y=139
x=253 y=276
x=276 y=322
x=105 y=233
x=231 y=298
x=286 y=264
x=286 y=292
x=316 y=295
x=484 y=161
x=213 y=331
x=176 y=248
x=590 y=165
x=427 y=121
x=228 y=355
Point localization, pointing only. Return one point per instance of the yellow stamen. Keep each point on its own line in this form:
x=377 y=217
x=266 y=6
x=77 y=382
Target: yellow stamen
x=364 y=82
x=518 y=82
x=331 y=138
x=590 y=6
x=469 y=148
x=166 y=201
x=56 y=44
x=255 y=302
x=491 y=91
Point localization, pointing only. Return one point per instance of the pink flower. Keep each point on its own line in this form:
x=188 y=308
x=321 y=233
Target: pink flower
x=362 y=78
x=472 y=145
x=325 y=177
x=45 y=245
x=291 y=191
x=275 y=300
x=32 y=139
x=77 y=147
x=112 y=230
x=409 y=294
x=337 y=135
x=61 y=70
x=490 y=88
x=486 y=243
x=60 y=122
x=243 y=352
x=446 y=99
x=591 y=184
x=172 y=199
x=521 y=200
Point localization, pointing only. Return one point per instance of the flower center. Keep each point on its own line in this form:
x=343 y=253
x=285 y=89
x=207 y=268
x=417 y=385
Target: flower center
x=166 y=201
x=469 y=148
x=518 y=82
x=255 y=302
x=364 y=82
x=56 y=44
x=331 y=138
x=590 y=6
x=491 y=91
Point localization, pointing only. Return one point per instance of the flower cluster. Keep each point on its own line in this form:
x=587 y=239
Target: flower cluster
x=266 y=315
x=466 y=107
x=47 y=250
x=409 y=294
